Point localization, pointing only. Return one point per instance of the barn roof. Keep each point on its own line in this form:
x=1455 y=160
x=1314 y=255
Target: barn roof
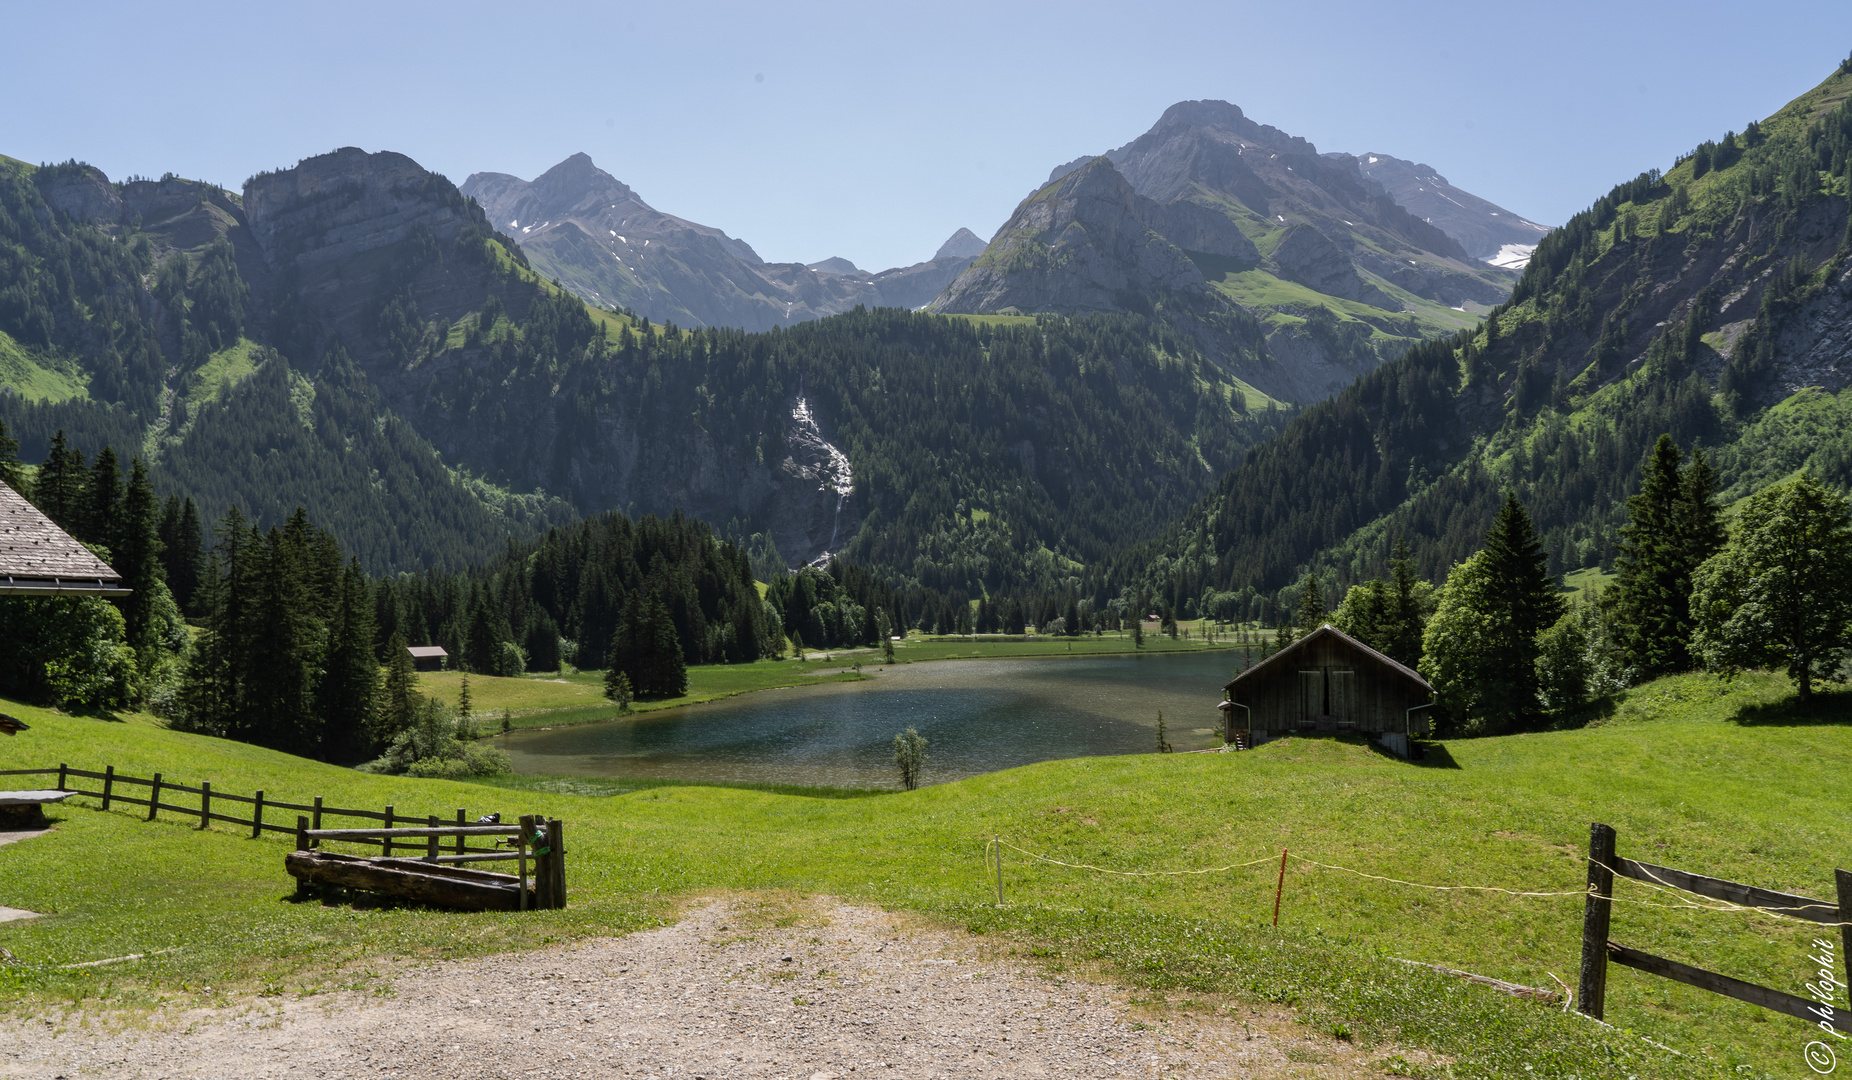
x=426 y=652
x=37 y=558
x=1284 y=656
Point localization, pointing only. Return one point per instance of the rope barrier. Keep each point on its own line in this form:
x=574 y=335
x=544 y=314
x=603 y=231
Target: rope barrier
x=1721 y=906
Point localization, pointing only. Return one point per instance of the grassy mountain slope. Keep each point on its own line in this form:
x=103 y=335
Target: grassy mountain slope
x=1505 y=813
x=1693 y=302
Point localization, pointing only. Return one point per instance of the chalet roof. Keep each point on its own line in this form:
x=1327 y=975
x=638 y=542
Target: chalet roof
x=426 y=652
x=1284 y=657
x=37 y=558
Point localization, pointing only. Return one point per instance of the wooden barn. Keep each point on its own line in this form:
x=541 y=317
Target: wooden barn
x=1327 y=682
x=428 y=657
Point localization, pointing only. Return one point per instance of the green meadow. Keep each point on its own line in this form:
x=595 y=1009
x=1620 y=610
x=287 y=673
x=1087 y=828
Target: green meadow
x=1730 y=779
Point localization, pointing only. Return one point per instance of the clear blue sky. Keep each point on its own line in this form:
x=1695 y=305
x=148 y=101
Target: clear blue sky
x=873 y=130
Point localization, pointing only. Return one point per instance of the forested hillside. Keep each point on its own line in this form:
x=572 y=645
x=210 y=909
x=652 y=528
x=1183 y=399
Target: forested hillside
x=1711 y=302
x=352 y=337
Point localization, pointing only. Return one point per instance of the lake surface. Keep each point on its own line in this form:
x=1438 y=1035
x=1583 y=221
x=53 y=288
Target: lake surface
x=978 y=716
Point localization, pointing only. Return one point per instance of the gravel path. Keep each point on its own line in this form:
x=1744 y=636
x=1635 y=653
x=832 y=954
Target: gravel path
x=741 y=987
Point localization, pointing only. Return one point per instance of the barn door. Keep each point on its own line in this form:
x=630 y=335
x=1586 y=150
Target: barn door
x=1341 y=690
x=1311 y=696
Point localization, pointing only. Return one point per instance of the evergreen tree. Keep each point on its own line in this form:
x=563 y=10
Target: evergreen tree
x=284 y=641
x=1652 y=590
x=212 y=690
x=58 y=489
x=1780 y=591
x=10 y=473
x=617 y=688
x=138 y=559
x=98 y=521
x=482 y=647
x=398 y=705
x=1480 y=648
x=1311 y=607
x=181 y=555
x=350 y=689
x=1526 y=601
x=1071 y=619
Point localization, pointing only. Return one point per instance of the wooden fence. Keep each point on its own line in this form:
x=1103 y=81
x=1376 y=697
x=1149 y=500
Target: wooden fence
x=1598 y=951
x=159 y=789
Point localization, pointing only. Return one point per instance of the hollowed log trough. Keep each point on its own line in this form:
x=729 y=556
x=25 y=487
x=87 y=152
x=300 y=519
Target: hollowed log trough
x=437 y=884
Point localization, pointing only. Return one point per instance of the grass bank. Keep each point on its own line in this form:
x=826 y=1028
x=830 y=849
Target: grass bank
x=1726 y=779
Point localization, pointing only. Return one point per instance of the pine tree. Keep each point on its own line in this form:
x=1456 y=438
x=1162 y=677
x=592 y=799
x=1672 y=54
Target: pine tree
x=1311 y=607
x=1672 y=527
x=58 y=489
x=661 y=671
x=138 y=560
x=181 y=554
x=350 y=689
x=284 y=641
x=1071 y=620
x=617 y=688
x=10 y=473
x=99 y=520
x=1480 y=648
x=398 y=705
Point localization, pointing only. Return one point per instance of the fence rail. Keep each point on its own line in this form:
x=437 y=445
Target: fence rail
x=1598 y=951
x=390 y=837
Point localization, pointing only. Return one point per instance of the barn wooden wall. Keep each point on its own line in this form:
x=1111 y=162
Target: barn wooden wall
x=1380 y=696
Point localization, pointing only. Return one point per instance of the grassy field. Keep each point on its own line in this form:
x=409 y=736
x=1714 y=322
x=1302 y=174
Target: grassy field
x=1729 y=779
x=577 y=697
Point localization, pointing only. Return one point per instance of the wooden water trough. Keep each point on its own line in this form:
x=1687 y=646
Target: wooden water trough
x=435 y=878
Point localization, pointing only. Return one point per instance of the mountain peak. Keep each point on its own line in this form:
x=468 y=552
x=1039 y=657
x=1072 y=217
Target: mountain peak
x=577 y=177
x=1205 y=113
x=963 y=244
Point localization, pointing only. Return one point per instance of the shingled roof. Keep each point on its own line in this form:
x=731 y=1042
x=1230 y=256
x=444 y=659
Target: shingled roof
x=37 y=558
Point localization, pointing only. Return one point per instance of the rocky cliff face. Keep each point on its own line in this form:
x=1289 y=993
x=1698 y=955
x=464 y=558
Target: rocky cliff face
x=1083 y=243
x=1211 y=205
x=583 y=227
x=1486 y=231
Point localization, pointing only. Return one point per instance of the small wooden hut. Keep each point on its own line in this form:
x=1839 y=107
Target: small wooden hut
x=427 y=657
x=1327 y=682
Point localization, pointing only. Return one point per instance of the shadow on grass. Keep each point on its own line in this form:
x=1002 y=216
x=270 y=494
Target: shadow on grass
x=1828 y=707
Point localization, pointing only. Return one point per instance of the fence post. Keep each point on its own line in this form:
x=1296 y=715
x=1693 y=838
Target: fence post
x=205 y=803
x=257 y=815
x=386 y=841
x=109 y=783
x=154 y=796
x=62 y=769
x=430 y=847
x=318 y=816
x=556 y=839
x=1844 y=878
x=302 y=832
x=1592 y=987
x=540 y=866
x=524 y=825
x=460 y=821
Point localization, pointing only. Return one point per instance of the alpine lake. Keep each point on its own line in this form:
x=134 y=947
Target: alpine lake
x=978 y=716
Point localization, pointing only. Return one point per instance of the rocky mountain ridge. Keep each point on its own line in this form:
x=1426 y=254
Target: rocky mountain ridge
x=586 y=229
x=1211 y=205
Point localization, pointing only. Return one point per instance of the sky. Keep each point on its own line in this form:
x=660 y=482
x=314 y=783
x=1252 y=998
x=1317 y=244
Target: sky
x=873 y=131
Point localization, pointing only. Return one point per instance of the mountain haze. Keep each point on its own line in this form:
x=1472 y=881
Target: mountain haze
x=584 y=228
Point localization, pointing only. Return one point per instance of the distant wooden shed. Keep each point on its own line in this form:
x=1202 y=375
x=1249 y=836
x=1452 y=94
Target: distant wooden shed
x=427 y=657
x=1327 y=682
x=37 y=558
